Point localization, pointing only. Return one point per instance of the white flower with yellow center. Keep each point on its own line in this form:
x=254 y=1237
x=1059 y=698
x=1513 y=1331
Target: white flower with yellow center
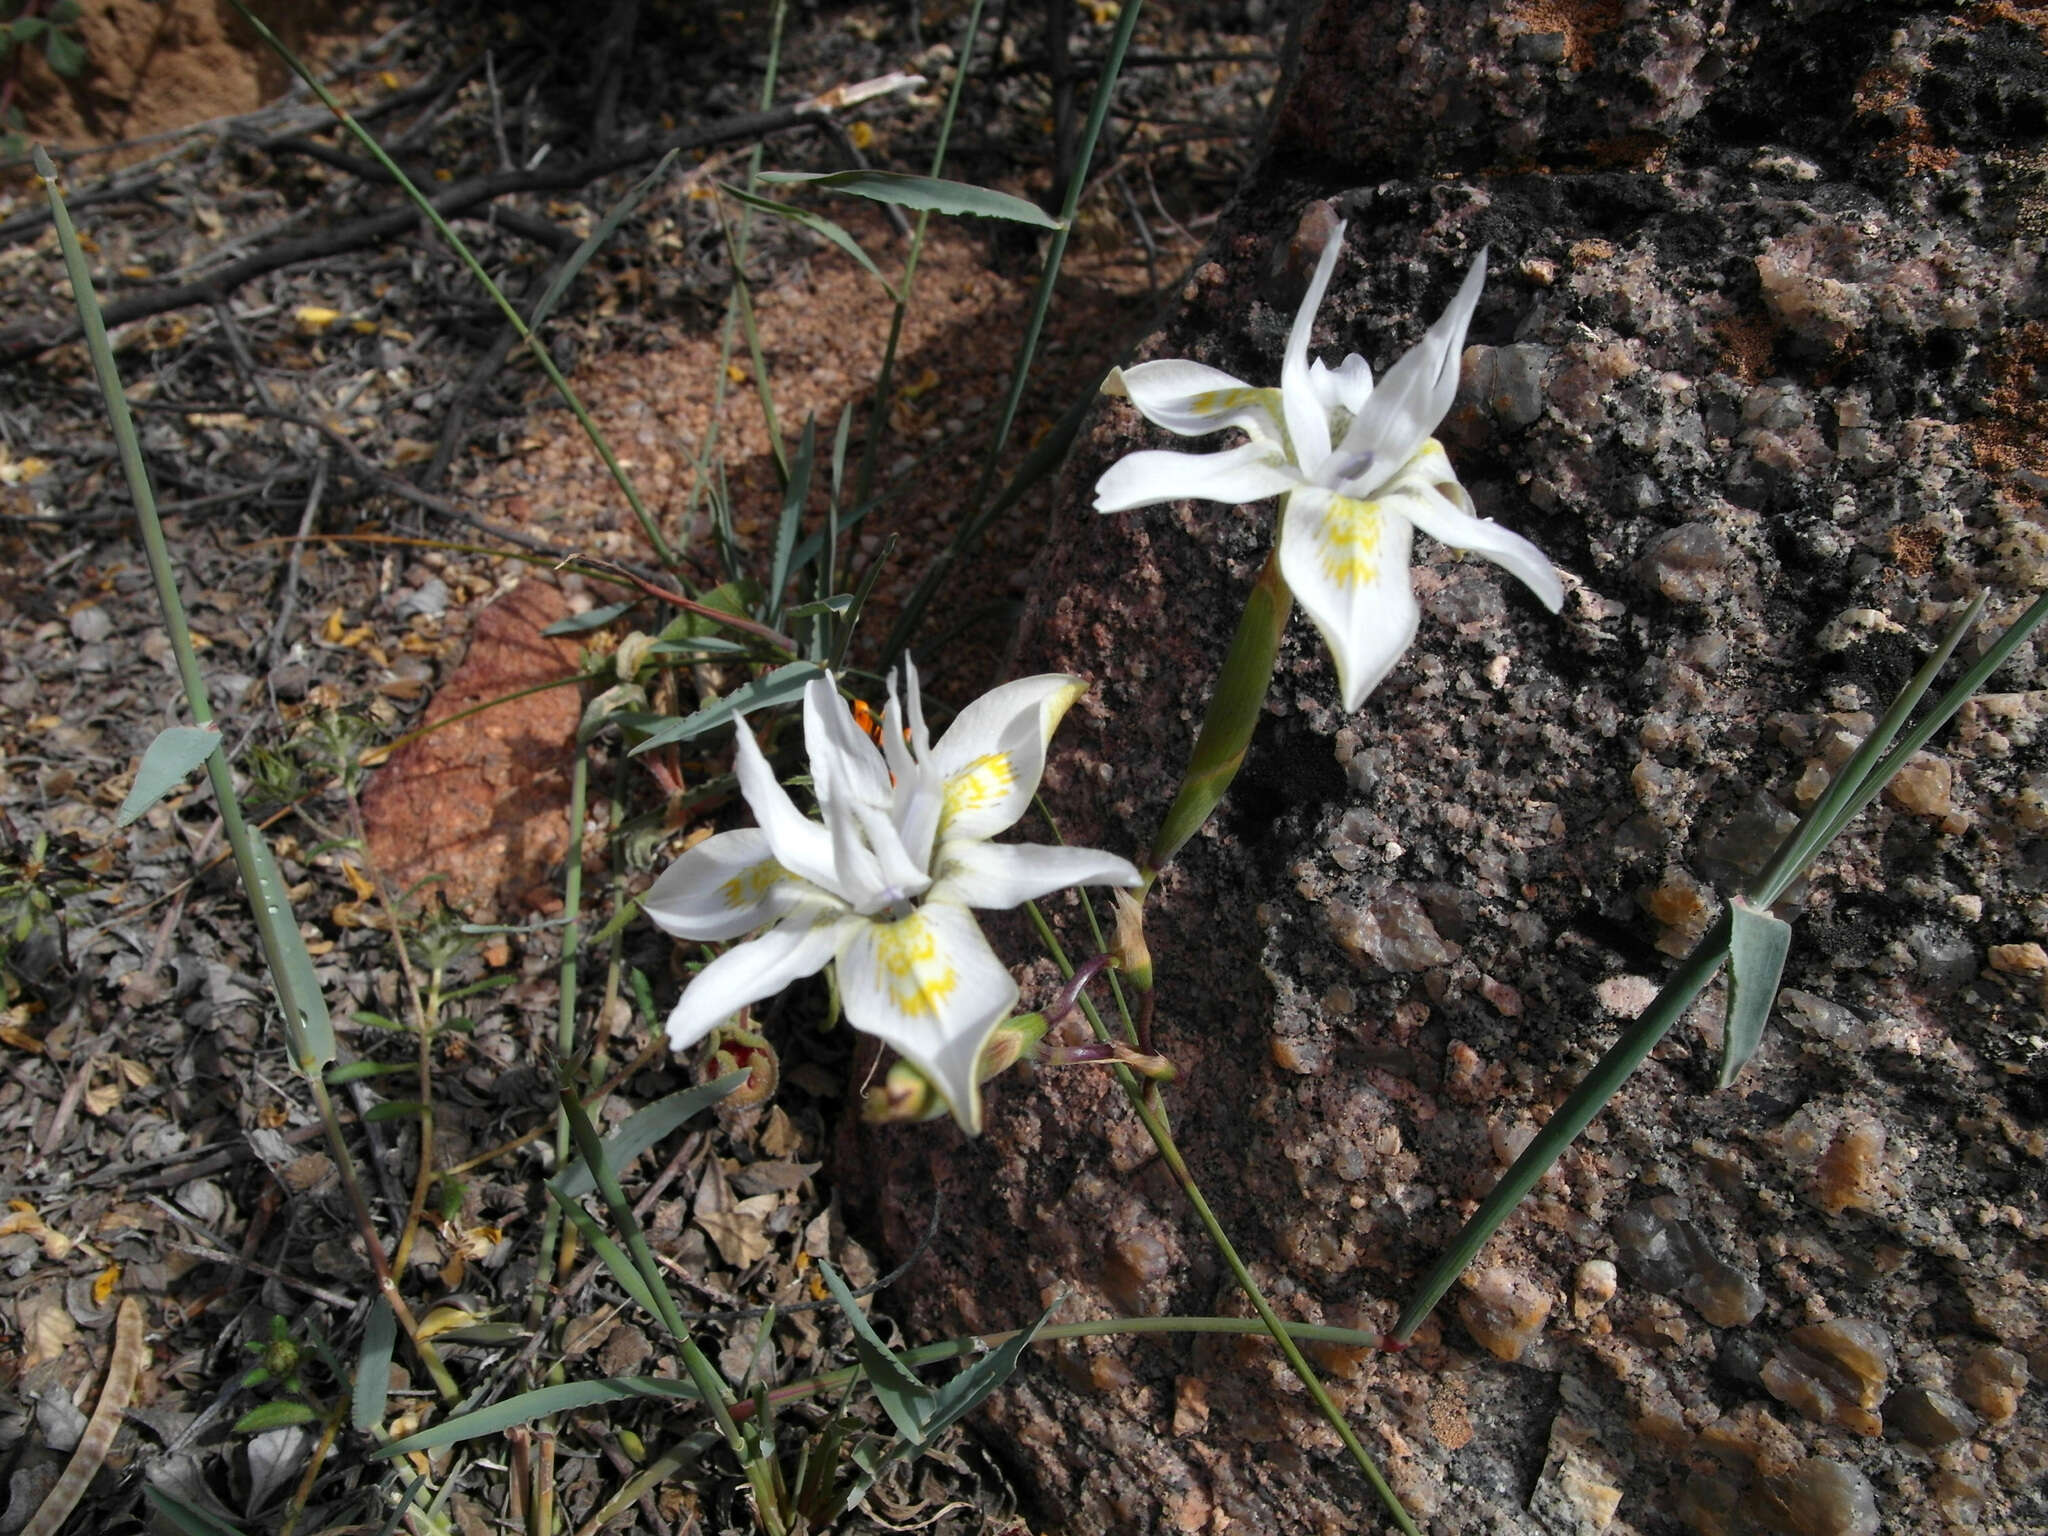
x=881 y=887
x=1357 y=465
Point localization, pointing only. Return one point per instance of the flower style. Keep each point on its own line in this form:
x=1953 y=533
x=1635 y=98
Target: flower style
x=1357 y=465
x=881 y=886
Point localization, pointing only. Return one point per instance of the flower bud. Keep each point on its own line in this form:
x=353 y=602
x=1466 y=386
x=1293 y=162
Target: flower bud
x=1011 y=1042
x=1132 y=957
x=733 y=1048
x=903 y=1095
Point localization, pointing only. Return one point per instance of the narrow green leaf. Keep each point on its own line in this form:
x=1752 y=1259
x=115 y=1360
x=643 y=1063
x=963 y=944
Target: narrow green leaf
x=925 y=194
x=794 y=495
x=356 y=1071
x=187 y=1519
x=817 y=225
x=968 y=1390
x=591 y=1150
x=785 y=683
x=166 y=765
x=394 y=1109
x=644 y=1127
x=907 y=1400
x=1757 y=946
x=618 y=213
x=596 y=618
x=609 y=1253
x=528 y=1406
x=838 y=603
x=307 y=1025
x=373 y=1368
x=278 y=1415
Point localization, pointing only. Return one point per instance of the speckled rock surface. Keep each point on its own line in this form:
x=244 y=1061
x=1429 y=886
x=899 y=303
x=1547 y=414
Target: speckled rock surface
x=1761 y=367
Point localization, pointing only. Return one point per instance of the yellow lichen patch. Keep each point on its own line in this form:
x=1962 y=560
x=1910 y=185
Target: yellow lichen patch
x=1348 y=541
x=750 y=884
x=981 y=784
x=913 y=972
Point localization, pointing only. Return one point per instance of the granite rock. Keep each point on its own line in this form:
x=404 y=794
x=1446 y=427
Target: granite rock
x=1774 y=265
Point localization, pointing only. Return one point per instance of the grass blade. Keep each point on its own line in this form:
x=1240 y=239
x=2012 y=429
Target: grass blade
x=644 y=1128
x=373 y=1367
x=907 y=1400
x=607 y=226
x=591 y=1149
x=528 y=1406
x=785 y=683
x=921 y=194
x=822 y=227
x=794 y=495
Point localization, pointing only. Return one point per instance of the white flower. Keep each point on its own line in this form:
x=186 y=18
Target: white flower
x=881 y=886
x=1357 y=465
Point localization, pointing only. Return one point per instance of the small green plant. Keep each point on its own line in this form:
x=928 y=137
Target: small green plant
x=35 y=886
x=24 y=26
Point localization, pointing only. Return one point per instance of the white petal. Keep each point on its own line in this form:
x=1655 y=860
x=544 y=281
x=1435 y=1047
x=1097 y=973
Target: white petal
x=862 y=883
x=998 y=876
x=801 y=946
x=829 y=730
x=1347 y=563
x=1308 y=423
x=983 y=724
x=1429 y=496
x=800 y=845
x=1417 y=390
x=929 y=986
x=1194 y=399
x=725 y=886
x=1249 y=472
x=1344 y=388
x=989 y=762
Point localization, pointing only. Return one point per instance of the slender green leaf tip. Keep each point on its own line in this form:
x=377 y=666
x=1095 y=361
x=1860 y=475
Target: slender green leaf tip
x=1757 y=946
x=41 y=160
x=166 y=765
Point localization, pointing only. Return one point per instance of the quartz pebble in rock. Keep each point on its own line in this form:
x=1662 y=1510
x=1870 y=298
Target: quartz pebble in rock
x=1689 y=564
x=1391 y=933
x=1504 y=1310
x=1992 y=1380
x=1593 y=1286
x=2028 y=959
x=1834 y=1372
x=1927 y=1418
x=1671 y=1256
x=1925 y=786
x=1816 y=1498
x=1848 y=1174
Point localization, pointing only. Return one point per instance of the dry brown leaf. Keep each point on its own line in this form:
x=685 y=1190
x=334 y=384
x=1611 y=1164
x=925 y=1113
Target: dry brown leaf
x=47 y=1328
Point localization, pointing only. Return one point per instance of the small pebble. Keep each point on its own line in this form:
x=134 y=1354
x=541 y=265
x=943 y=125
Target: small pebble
x=1847 y=1177
x=1925 y=786
x=91 y=625
x=1992 y=1380
x=1504 y=1309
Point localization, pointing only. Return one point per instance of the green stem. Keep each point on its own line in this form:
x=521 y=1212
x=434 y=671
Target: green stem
x=565 y=1019
x=1232 y=716
x=468 y=258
